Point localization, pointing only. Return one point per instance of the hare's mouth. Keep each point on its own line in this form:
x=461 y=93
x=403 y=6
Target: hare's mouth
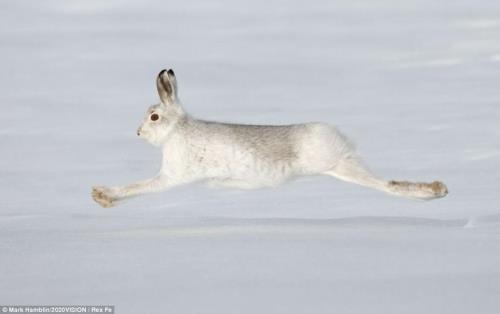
x=143 y=134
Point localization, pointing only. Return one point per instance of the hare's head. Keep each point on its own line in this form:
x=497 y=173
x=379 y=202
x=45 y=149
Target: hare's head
x=161 y=118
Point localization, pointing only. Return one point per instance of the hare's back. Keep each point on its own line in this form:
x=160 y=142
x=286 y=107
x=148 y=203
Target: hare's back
x=275 y=142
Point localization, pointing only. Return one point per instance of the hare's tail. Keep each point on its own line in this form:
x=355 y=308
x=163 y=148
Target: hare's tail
x=352 y=170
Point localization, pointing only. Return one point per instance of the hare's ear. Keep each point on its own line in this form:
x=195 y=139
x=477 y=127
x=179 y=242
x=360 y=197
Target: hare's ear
x=167 y=87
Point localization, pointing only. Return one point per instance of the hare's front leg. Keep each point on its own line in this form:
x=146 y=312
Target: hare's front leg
x=109 y=196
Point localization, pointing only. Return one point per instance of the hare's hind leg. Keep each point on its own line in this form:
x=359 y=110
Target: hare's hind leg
x=352 y=170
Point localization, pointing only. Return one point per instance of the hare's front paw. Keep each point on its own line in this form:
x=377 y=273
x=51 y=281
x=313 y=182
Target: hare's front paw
x=104 y=196
x=439 y=188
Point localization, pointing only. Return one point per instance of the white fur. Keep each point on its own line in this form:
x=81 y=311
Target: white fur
x=246 y=156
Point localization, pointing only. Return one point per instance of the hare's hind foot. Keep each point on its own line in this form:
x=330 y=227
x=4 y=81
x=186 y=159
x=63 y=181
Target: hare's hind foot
x=102 y=195
x=436 y=189
x=352 y=170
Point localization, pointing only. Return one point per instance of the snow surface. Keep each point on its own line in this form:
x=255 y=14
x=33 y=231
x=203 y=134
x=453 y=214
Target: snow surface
x=414 y=83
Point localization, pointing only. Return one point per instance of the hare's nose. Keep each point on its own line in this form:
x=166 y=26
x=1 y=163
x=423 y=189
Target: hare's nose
x=139 y=132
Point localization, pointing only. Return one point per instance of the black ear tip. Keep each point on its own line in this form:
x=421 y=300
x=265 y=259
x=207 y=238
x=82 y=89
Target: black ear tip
x=171 y=72
x=161 y=72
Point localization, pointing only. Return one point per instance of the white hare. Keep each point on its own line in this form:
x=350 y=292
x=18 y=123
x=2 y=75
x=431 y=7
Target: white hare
x=246 y=156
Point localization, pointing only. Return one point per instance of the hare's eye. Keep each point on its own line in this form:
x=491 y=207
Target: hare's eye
x=154 y=117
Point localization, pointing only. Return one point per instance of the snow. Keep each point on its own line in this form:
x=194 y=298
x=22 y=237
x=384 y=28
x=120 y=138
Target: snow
x=413 y=83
